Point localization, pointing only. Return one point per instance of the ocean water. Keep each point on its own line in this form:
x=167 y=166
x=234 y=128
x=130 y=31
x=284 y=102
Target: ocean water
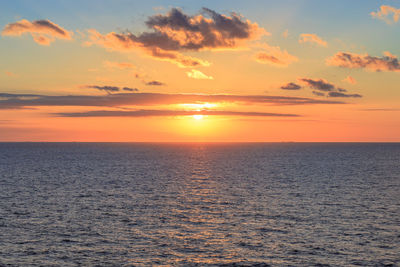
x=127 y=204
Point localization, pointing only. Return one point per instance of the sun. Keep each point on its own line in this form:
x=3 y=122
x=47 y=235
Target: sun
x=198 y=117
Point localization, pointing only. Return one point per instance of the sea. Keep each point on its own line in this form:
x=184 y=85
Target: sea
x=199 y=204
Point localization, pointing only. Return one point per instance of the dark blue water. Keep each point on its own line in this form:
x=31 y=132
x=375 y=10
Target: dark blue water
x=70 y=204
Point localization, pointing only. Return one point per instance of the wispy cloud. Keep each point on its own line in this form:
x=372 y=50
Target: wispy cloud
x=388 y=14
x=110 y=89
x=10 y=74
x=318 y=93
x=290 y=86
x=318 y=84
x=285 y=34
x=196 y=74
x=155 y=83
x=381 y=109
x=350 y=80
x=273 y=55
x=118 y=65
x=388 y=62
x=130 y=89
x=169 y=113
x=43 y=32
x=340 y=94
x=312 y=38
x=125 y=42
x=176 y=31
x=149 y=99
x=322 y=86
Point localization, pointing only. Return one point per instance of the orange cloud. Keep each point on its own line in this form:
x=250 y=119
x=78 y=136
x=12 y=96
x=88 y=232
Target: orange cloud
x=43 y=32
x=274 y=56
x=312 y=38
x=119 y=65
x=126 y=43
x=350 y=80
x=175 y=32
x=10 y=74
x=388 y=14
x=196 y=74
x=178 y=31
x=388 y=62
x=285 y=34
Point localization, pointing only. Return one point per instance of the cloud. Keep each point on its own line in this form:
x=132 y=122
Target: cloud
x=350 y=80
x=169 y=113
x=110 y=89
x=177 y=31
x=381 y=109
x=285 y=34
x=43 y=32
x=320 y=86
x=155 y=83
x=388 y=14
x=106 y=88
x=7 y=95
x=119 y=65
x=388 y=62
x=130 y=89
x=10 y=74
x=174 y=32
x=318 y=93
x=196 y=74
x=123 y=42
x=339 y=94
x=149 y=99
x=291 y=86
x=273 y=55
x=312 y=38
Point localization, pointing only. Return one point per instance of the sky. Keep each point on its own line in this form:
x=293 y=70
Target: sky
x=200 y=71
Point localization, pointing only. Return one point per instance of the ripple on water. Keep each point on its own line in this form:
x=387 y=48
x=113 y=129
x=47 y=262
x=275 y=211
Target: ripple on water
x=199 y=204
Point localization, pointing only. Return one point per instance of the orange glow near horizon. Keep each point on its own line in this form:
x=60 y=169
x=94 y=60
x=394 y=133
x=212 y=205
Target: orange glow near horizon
x=97 y=83
x=198 y=117
x=199 y=106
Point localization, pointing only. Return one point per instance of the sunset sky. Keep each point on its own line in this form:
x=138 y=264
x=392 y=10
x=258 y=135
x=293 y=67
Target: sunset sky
x=101 y=70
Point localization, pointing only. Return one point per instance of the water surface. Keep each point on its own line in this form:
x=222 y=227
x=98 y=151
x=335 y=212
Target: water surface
x=122 y=204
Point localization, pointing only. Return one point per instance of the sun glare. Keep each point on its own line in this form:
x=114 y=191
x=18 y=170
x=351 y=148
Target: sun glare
x=198 y=117
x=199 y=106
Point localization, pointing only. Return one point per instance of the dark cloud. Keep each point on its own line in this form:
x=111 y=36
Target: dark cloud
x=177 y=31
x=388 y=62
x=148 y=99
x=155 y=83
x=291 y=86
x=110 y=89
x=319 y=84
x=154 y=113
x=339 y=94
x=105 y=88
x=6 y=95
x=318 y=93
x=130 y=89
